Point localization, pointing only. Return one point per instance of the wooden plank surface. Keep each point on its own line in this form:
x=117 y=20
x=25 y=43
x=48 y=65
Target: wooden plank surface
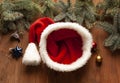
x=13 y=71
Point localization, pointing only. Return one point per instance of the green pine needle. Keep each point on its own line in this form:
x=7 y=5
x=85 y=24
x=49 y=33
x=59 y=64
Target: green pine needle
x=24 y=11
x=85 y=12
x=113 y=41
x=67 y=13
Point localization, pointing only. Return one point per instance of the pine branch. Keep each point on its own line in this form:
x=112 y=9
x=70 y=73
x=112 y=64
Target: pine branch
x=24 y=11
x=106 y=26
x=85 y=12
x=119 y=22
x=116 y=20
x=67 y=13
x=113 y=41
x=11 y=16
x=110 y=9
x=48 y=8
x=29 y=9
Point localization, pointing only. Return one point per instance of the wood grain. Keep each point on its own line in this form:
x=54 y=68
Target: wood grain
x=13 y=71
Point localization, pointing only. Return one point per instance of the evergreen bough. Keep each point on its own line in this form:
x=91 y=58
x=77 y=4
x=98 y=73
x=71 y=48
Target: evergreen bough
x=82 y=12
x=109 y=20
x=67 y=13
x=17 y=15
x=85 y=12
x=48 y=8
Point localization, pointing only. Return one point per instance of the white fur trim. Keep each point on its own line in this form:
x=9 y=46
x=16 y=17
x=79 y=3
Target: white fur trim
x=87 y=45
x=31 y=56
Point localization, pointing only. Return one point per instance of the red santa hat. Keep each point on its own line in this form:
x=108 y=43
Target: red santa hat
x=63 y=46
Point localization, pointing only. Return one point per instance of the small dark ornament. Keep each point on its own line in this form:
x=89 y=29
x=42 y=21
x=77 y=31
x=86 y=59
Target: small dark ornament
x=15 y=36
x=98 y=60
x=94 y=47
x=16 y=52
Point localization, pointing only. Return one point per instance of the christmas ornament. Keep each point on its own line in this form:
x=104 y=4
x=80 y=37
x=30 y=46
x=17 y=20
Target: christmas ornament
x=16 y=52
x=99 y=60
x=15 y=36
x=64 y=46
x=98 y=57
x=94 y=47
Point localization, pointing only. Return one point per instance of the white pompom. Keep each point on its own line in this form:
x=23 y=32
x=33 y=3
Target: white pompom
x=31 y=56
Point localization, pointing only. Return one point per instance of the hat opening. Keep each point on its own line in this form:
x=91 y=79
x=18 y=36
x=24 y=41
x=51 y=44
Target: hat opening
x=64 y=46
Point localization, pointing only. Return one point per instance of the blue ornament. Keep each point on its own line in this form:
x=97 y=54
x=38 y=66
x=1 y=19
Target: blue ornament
x=16 y=52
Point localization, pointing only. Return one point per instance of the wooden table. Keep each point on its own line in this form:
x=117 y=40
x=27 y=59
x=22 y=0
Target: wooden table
x=13 y=71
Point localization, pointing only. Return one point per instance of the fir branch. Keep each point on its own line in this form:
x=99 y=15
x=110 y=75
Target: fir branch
x=106 y=26
x=62 y=6
x=11 y=16
x=17 y=15
x=116 y=21
x=67 y=12
x=60 y=17
x=113 y=41
x=119 y=22
x=29 y=9
x=110 y=9
x=85 y=9
x=48 y=8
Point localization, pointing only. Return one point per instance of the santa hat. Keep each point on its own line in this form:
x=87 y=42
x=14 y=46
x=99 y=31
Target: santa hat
x=31 y=55
x=64 y=46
